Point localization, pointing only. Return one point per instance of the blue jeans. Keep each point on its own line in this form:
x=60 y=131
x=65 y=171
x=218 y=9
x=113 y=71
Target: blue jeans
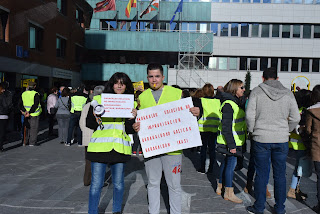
x=208 y=140
x=74 y=123
x=98 y=171
x=227 y=170
x=276 y=153
x=295 y=179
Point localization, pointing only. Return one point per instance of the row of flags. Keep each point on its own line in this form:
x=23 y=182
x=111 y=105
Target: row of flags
x=106 y=5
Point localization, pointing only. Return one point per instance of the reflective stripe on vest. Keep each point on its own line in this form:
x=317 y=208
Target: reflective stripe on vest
x=239 y=126
x=295 y=141
x=168 y=94
x=28 y=101
x=111 y=137
x=210 y=120
x=77 y=103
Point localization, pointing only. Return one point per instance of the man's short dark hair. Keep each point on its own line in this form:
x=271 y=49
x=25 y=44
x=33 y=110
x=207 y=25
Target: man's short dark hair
x=270 y=73
x=155 y=66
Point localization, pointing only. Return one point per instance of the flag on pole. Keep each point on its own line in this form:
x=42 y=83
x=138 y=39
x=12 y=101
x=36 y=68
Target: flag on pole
x=131 y=3
x=179 y=9
x=154 y=5
x=105 y=5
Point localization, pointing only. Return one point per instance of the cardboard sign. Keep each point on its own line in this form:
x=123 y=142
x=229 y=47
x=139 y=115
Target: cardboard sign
x=117 y=105
x=168 y=127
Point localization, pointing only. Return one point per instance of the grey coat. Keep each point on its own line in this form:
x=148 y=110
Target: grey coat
x=272 y=112
x=62 y=105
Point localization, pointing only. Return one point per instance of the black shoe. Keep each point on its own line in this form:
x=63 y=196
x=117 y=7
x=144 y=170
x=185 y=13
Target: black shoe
x=238 y=167
x=201 y=171
x=61 y=142
x=252 y=210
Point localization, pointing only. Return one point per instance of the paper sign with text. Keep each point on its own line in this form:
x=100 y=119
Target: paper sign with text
x=168 y=127
x=117 y=105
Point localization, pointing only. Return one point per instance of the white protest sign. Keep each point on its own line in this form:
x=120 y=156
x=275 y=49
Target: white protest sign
x=117 y=105
x=168 y=127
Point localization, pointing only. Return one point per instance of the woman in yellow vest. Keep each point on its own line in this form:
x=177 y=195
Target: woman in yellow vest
x=109 y=146
x=232 y=135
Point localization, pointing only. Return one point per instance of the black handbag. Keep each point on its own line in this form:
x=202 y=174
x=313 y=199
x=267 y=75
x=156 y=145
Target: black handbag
x=53 y=110
x=223 y=149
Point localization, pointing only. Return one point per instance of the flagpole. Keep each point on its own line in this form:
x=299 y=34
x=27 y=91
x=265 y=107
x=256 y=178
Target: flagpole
x=117 y=19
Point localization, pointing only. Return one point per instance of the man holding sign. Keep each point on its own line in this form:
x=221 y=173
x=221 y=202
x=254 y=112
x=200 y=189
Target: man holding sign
x=169 y=163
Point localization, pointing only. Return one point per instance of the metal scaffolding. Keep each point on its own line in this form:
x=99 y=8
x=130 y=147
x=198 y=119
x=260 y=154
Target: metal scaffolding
x=190 y=61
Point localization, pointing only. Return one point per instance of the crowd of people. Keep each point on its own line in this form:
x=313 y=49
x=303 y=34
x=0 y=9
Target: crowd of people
x=271 y=117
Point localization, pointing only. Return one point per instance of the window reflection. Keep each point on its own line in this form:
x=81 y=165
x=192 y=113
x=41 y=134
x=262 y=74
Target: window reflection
x=255 y=30
x=305 y=65
x=224 y=29
x=263 y=64
x=285 y=31
x=275 y=30
x=244 y=29
x=315 y=65
x=306 y=31
x=214 y=28
x=233 y=65
x=294 y=64
x=296 y=31
x=234 y=29
x=265 y=30
x=284 y=64
x=316 y=33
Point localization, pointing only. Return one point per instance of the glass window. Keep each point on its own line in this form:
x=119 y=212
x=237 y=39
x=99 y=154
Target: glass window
x=317 y=1
x=214 y=28
x=212 y=62
x=285 y=31
x=35 y=37
x=316 y=33
x=246 y=1
x=226 y=1
x=305 y=65
x=122 y=26
x=142 y=26
x=255 y=30
x=296 y=31
x=192 y=27
x=275 y=30
x=184 y=26
x=265 y=30
x=287 y=1
x=244 y=29
x=253 y=64
x=62 y=6
x=4 y=26
x=297 y=1
x=202 y=27
x=277 y=1
x=274 y=63
x=223 y=63
x=32 y=38
x=306 y=31
x=133 y=26
x=234 y=29
x=263 y=64
x=61 y=47
x=224 y=29
x=266 y=1
x=233 y=65
x=174 y=26
x=315 y=65
x=256 y=1
x=308 y=1
x=294 y=64
x=236 y=1
x=284 y=64
x=243 y=63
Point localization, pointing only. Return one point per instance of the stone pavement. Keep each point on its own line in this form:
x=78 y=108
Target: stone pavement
x=48 y=180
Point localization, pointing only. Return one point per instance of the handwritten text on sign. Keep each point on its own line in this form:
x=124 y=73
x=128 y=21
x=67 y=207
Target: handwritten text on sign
x=168 y=127
x=117 y=105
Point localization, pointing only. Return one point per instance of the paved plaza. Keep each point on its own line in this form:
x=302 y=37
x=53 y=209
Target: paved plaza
x=49 y=180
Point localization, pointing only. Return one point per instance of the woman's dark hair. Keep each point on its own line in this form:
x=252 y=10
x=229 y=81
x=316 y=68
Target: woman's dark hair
x=53 y=90
x=124 y=79
x=65 y=92
x=315 y=95
x=303 y=98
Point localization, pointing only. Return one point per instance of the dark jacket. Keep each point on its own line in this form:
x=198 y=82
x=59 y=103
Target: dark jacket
x=313 y=129
x=5 y=103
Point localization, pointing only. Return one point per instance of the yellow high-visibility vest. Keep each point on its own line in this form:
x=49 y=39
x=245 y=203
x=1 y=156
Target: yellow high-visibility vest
x=210 y=120
x=239 y=127
x=28 y=101
x=111 y=137
x=77 y=103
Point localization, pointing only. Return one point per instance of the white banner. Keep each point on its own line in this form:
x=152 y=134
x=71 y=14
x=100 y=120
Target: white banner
x=168 y=127
x=117 y=105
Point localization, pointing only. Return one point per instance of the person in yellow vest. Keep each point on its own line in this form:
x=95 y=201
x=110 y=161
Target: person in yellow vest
x=208 y=127
x=231 y=137
x=77 y=102
x=296 y=143
x=109 y=145
x=31 y=109
x=158 y=94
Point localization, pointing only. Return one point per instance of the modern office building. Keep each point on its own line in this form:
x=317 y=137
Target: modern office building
x=42 y=40
x=208 y=41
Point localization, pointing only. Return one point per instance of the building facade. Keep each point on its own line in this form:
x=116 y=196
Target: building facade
x=212 y=41
x=42 y=40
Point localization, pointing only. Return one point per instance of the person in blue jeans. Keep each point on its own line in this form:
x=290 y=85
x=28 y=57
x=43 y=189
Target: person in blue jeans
x=109 y=145
x=272 y=112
